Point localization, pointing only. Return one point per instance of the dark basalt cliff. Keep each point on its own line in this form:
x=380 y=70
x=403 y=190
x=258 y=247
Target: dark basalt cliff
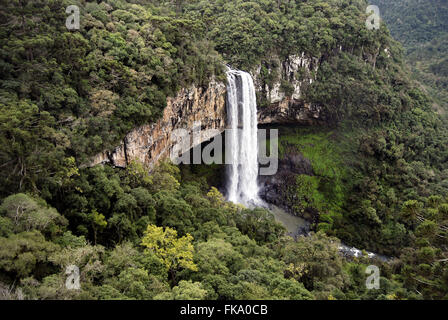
x=275 y=189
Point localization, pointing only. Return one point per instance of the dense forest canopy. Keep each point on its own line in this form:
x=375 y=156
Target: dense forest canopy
x=414 y=22
x=422 y=27
x=381 y=161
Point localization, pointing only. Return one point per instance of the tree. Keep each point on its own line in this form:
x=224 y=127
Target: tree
x=88 y=258
x=175 y=212
x=315 y=261
x=165 y=177
x=27 y=213
x=174 y=252
x=186 y=290
x=218 y=257
x=215 y=197
x=410 y=210
x=98 y=223
x=133 y=283
x=22 y=253
x=32 y=153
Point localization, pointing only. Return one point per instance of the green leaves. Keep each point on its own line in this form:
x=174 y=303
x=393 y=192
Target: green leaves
x=315 y=261
x=77 y=93
x=30 y=155
x=174 y=252
x=21 y=253
x=28 y=214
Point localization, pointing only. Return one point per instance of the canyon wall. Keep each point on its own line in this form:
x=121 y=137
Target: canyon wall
x=153 y=142
x=282 y=93
x=283 y=104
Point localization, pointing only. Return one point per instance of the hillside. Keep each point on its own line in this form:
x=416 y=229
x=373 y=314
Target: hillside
x=422 y=28
x=375 y=171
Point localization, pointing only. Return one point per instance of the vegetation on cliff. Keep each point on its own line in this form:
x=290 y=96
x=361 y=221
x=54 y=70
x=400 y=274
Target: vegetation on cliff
x=70 y=94
x=422 y=28
x=381 y=168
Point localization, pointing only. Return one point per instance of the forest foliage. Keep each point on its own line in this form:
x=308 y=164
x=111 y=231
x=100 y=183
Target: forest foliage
x=422 y=28
x=380 y=167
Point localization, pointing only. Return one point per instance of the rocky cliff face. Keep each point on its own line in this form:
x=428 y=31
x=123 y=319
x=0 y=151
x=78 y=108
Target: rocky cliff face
x=282 y=93
x=283 y=99
x=296 y=70
x=291 y=111
x=153 y=142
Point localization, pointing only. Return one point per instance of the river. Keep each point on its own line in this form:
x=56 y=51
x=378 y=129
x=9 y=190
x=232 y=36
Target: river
x=297 y=226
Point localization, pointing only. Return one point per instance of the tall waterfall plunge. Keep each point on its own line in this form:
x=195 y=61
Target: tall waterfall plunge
x=242 y=173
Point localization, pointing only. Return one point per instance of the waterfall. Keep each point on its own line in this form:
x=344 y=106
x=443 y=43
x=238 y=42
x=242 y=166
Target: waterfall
x=242 y=173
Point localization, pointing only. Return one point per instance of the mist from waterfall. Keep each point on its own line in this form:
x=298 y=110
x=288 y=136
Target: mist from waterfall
x=242 y=173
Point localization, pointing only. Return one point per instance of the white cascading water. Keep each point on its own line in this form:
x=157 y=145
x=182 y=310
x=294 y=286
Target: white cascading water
x=242 y=174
